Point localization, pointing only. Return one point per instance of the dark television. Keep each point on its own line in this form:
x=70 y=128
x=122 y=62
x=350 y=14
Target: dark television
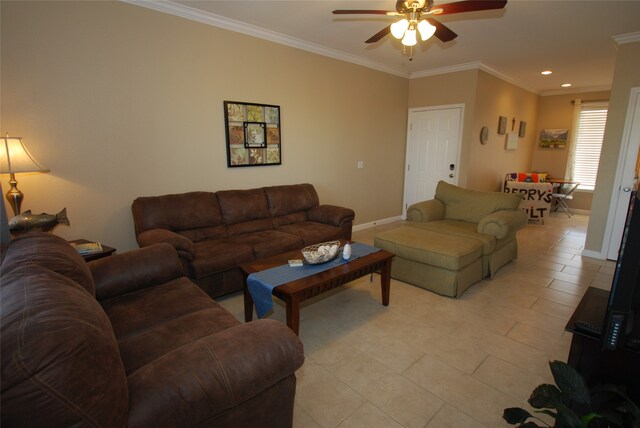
x=621 y=327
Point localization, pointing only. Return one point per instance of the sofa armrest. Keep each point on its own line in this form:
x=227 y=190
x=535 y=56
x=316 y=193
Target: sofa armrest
x=425 y=211
x=181 y=243
x=203 y=379
x=503 y=223
x=134 y=270
x=331 y=214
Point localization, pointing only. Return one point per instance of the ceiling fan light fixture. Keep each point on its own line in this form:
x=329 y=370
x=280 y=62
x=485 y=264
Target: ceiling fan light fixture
x=425 y=29
x=409 y=38
x=398 y=28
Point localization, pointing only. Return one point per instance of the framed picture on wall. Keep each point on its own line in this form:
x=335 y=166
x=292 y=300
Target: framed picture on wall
x=502 y=125
x=553 y=138
x=252 y=134
x=523 y=128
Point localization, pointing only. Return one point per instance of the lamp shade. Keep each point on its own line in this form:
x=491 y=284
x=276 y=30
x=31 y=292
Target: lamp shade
x=426 y=29
x=398 y=28
x=409 y=38
x=14 y=157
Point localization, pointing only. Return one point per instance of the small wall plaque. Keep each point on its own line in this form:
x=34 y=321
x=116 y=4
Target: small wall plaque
x=502 y=125
x=484 y=135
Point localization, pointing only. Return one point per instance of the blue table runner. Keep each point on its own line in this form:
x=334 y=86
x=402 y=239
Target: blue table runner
x=261 y=284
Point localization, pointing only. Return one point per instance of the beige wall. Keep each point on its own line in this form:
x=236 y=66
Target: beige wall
x=447 y=89
x=626 y=76
x=482 y=167
x=121 y=101
x=556 y=112
x=490 y=162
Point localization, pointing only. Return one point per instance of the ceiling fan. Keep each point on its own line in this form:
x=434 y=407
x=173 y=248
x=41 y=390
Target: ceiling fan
x=416 y=16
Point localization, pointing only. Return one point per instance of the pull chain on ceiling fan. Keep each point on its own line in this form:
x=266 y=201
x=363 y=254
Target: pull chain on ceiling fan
x=416 y=19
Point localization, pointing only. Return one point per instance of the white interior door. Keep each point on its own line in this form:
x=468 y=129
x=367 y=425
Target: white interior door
x=626 y=173
x=433 y=146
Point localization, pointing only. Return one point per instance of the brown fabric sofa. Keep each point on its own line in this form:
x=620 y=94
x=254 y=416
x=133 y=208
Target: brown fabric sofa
x=215 y=232
x=128 y=341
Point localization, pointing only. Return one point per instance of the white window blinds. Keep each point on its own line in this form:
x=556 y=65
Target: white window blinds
x=588 y=144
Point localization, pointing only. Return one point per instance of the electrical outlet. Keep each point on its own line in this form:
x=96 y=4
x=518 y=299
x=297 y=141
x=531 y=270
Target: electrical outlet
x=360 y=164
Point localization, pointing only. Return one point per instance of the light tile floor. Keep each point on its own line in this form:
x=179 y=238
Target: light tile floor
x=432 y=361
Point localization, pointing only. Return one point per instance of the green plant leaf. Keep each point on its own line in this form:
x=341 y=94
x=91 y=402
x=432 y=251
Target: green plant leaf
x=586 y=419
x=628 y=406
x=551 y=413
x=545 y=396
x=515 y=415
x=570 y=383
x=567 y=418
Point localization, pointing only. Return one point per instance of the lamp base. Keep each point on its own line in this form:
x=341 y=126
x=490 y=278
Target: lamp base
x=14 y=195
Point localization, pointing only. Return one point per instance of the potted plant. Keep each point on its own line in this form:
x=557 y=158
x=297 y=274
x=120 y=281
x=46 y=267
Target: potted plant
x=573 y=405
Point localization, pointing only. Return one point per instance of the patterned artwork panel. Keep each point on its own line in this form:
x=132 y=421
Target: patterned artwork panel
x=253 y=134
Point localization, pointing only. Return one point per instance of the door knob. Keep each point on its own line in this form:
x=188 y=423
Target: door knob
x=626 y=189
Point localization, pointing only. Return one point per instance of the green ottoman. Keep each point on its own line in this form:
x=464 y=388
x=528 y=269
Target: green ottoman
x=438 y=262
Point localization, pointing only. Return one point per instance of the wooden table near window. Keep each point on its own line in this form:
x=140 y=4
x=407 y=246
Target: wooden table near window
x=106 y=250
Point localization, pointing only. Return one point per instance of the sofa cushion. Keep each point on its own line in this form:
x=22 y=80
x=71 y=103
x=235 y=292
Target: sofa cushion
x=52 y=252
x=460 y=229
x=471 y=205
x=312 y=232
x=58 y=349
x=154 y=321
x=239 y=206
x=430 y=248
x=297 y=217
x=289 y=199
x=197 y=210
x=269 y=242
x=218 y=255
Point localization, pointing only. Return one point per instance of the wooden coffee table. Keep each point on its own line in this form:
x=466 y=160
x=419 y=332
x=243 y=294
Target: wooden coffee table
x=297 y=291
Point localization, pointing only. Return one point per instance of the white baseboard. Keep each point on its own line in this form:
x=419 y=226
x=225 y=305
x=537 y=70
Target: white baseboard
x=375 y=223
x=594 y=254
x=583 y=212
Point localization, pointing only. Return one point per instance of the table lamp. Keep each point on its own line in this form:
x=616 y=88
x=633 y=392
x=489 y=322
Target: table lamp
x=15 y=158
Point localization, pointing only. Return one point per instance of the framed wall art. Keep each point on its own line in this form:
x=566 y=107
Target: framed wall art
x=553 y=138
x=253 y=134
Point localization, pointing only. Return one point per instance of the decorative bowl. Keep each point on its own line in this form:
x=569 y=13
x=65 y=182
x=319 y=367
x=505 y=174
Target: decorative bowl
x=321 y=253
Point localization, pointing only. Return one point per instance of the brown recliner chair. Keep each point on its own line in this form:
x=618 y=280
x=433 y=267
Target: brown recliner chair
x=128 y=341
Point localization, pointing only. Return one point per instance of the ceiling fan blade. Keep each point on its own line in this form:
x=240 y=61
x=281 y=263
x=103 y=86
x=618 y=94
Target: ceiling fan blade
x=380 y=34
x=470 y=6
x=443 y=32
x=360 y=12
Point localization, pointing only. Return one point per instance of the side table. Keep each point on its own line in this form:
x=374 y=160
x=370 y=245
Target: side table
x=106 y=250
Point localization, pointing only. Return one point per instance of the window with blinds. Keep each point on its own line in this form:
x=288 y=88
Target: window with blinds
x=590 y=134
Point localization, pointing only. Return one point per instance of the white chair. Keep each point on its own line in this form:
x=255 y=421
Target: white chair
x=559 y=201
x=560 y=198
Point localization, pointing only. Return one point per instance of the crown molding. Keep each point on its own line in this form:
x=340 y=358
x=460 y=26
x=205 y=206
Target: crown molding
x=447 y=69
x=475 y=65
x=627 y=38
x=208 y=18
x=576 y=90
x=500 y=75
x=252 y=30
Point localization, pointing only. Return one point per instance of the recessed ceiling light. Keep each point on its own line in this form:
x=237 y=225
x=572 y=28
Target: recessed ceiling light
x=566 y=85
x=546 y=72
